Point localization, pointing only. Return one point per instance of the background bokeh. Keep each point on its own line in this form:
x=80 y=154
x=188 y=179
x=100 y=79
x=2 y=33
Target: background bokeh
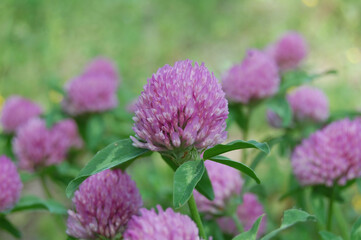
x=43 y=43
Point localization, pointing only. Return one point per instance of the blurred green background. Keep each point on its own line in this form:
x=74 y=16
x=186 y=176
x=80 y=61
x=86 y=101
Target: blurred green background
x=45 y=41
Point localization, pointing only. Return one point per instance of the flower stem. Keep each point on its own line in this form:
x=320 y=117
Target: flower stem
x=237 y=222
x=45 y=186
x=342 y=223
x=330 y=209
x=195 y=216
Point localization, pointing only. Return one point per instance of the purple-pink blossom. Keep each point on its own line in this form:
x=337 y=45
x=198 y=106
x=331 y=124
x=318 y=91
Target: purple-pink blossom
x=17 y=111
x=329 y=156
x=10 y=184
x=247 y=212
x=226 y=183
x=163 y=225
x=37 y=146
x=289 y=51
x=181 y=106
x=93 y=91
x=308 y=104
x=254 y=79
x=104 y=204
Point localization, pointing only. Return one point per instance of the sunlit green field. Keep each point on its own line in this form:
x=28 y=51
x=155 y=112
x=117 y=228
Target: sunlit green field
x=45 y=43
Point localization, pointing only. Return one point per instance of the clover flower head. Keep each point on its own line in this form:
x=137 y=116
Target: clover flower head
x=166 y=224
x=329 y=156
x=104 y=204
x=10 y=184
x=17 y=111
x=254 y=79
x=289 y=51
x=181 y=107
x=226 y=183
x=248 y=212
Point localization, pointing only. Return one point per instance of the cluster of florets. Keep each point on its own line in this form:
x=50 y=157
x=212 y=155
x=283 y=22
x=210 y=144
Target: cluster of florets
x=37 y=146
x=308 y=104
x=93 y=91
x=104 y=204
x=181 y=107
x=329 y=156
x=254 y=79
x=166 y=224
x=10 y=184
x=16 y=112
x=289 y=51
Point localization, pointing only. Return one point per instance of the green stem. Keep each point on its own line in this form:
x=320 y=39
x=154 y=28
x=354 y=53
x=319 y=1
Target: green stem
x=330 y=209
x=195 y=216
x=342 y=223
x=45 y=186
x=237 y=222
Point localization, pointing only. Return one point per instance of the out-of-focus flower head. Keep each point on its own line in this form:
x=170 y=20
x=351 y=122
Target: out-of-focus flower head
x=104 y=204
x=254 y=79
x=17 y=111
x=248 y=212
x=289 y=51
x=307 y=103
x=10 y=184
x=166 y=224
x=226 y=182
x=181 y=107
x=36 y=146
x=329 y=156
x=93 y=91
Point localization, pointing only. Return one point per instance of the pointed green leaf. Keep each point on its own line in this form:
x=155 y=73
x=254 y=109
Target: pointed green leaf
x=204 y=186
x=35 y=203
x=113 y=155
x=252 y=233
x=237 y=165
x=186 y=178
x=329 y=236
x=290 y=218
x=356 y=230
x=6 y=225
x=238 y=144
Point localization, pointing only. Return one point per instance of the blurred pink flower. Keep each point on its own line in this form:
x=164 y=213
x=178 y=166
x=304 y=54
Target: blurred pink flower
x=10 y=184
x=247 y=212
x=37 y=146
x=288 y=51
x=93 y=91
x=17 y=111
x=226 y=182
x=254 y=79
x=329 y=156
x=163 y=225
x=104 y=204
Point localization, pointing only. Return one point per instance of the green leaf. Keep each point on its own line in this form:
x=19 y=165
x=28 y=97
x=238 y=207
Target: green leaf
x=290 y=218
x=356 y=230
x=329 y=236
x=35 y=203
x=252 y=233
x=204 y=186
x=238 y=144
x=237 y=114
x=186 y=178
x=113 y=155
x=281 y=107
x=6 y=225
x=237 y=165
